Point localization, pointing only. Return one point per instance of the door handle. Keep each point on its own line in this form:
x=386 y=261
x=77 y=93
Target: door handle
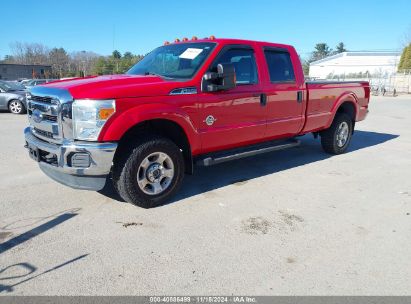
x=299 y=96
x=263 y=99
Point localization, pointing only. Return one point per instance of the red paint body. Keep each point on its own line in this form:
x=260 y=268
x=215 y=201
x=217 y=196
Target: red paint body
x=241 y=120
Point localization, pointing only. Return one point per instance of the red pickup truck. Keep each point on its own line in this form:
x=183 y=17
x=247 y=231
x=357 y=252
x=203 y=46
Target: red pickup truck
x=191 y=102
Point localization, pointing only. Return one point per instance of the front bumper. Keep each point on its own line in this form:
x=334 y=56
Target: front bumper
x=55 y=161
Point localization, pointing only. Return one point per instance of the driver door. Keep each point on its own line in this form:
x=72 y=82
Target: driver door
x=234 y=117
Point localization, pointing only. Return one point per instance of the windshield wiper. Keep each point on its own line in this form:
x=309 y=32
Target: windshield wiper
x=151 y=73
x=155 y=74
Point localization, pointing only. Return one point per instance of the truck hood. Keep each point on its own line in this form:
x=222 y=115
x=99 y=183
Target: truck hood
x=116 y=86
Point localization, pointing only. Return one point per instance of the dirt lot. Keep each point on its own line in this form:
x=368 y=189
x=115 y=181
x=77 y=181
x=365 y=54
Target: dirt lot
x=294 y=222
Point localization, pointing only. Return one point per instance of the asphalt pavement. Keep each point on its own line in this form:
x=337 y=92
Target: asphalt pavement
x=292 y=222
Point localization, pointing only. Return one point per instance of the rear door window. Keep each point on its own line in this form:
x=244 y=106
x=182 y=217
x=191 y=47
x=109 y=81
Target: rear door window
x=279 y=66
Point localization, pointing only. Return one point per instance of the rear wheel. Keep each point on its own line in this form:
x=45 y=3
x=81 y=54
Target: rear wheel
x=16 y=107
x=150 y=173
x=336 y=139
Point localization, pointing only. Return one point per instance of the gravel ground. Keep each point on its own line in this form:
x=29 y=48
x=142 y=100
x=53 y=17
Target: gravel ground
x=293 y=222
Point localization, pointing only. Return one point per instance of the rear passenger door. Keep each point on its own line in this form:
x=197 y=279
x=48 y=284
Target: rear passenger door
x=234 y=117
x=285 y=115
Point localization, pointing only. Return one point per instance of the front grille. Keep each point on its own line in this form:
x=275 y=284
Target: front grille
x=43 y=112
x=50 y=117
x=42 y=99
x=43 y=133
x=46 y=117
x=49 y=113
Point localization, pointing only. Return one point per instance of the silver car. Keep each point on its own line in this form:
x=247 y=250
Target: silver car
x=12 y=97
x=35 y=82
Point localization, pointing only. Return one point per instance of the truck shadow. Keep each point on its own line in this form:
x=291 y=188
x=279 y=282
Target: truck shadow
x=240 y=171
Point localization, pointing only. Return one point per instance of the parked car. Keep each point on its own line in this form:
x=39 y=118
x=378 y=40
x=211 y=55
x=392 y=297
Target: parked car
x=26 y=81
x=199 y=102
x=12 y=97
x=34 y=82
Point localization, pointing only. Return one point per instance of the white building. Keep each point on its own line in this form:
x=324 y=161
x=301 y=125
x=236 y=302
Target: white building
x=347 y=64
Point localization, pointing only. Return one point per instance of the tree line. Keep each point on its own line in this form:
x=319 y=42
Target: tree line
x=405 y=59
x=73 y=64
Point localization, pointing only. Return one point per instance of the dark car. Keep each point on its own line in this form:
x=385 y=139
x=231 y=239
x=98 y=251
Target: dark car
x=12 y=97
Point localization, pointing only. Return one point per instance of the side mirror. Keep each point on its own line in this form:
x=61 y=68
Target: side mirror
x=222 y=80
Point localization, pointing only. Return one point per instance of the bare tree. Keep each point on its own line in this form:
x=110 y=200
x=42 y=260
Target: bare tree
x=59 y=61
x=83 y=62
x=18 y=51
x=29 y=53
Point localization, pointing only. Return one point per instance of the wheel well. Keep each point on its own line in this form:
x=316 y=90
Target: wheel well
x=349 y=109
x=162 y=127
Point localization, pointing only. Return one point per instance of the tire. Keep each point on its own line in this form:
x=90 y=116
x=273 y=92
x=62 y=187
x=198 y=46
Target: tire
x=149 y=173
x=334 y=140
x=16 y=107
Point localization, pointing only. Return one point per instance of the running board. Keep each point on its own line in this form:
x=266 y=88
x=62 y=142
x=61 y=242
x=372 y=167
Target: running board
x=221 y=157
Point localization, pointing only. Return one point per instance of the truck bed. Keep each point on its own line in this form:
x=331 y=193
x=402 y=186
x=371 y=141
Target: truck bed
x=323 y=97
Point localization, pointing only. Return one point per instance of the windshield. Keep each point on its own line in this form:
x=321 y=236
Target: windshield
x=180 y=60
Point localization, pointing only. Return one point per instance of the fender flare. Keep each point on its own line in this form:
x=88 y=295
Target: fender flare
x=120 y=123
x=343 y=98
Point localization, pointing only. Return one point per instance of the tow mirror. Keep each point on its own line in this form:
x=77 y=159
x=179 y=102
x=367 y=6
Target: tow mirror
x=222 y=80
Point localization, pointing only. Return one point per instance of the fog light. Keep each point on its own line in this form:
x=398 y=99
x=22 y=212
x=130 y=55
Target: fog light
x=80 y=160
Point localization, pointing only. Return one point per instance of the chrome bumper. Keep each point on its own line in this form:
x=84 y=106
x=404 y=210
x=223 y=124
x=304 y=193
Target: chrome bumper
x=92 y=177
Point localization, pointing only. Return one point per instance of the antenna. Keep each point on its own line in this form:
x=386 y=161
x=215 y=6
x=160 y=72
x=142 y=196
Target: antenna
x=114 y=35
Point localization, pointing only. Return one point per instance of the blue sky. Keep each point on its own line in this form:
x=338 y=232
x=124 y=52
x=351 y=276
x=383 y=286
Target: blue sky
x=139 y=26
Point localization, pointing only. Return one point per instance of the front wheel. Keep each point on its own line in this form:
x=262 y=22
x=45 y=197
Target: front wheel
x=16 y=107
x=150 y=173
x=336 y=139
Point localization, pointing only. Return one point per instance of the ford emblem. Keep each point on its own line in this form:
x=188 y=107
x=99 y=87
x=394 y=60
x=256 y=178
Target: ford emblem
x=37 y=116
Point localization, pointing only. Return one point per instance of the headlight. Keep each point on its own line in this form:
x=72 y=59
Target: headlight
x=89 y=117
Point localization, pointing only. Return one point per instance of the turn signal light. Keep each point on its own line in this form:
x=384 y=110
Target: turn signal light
x=105 y=113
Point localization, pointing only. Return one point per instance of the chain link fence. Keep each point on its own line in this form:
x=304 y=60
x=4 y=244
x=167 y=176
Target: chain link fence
x=383 y=84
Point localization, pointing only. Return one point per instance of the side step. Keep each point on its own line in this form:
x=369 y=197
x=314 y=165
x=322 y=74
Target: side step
x=221 y=157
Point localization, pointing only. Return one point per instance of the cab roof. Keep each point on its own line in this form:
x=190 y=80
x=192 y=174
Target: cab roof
x=235 y=41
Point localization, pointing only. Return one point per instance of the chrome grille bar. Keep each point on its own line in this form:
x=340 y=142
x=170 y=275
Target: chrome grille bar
x=47 y=113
